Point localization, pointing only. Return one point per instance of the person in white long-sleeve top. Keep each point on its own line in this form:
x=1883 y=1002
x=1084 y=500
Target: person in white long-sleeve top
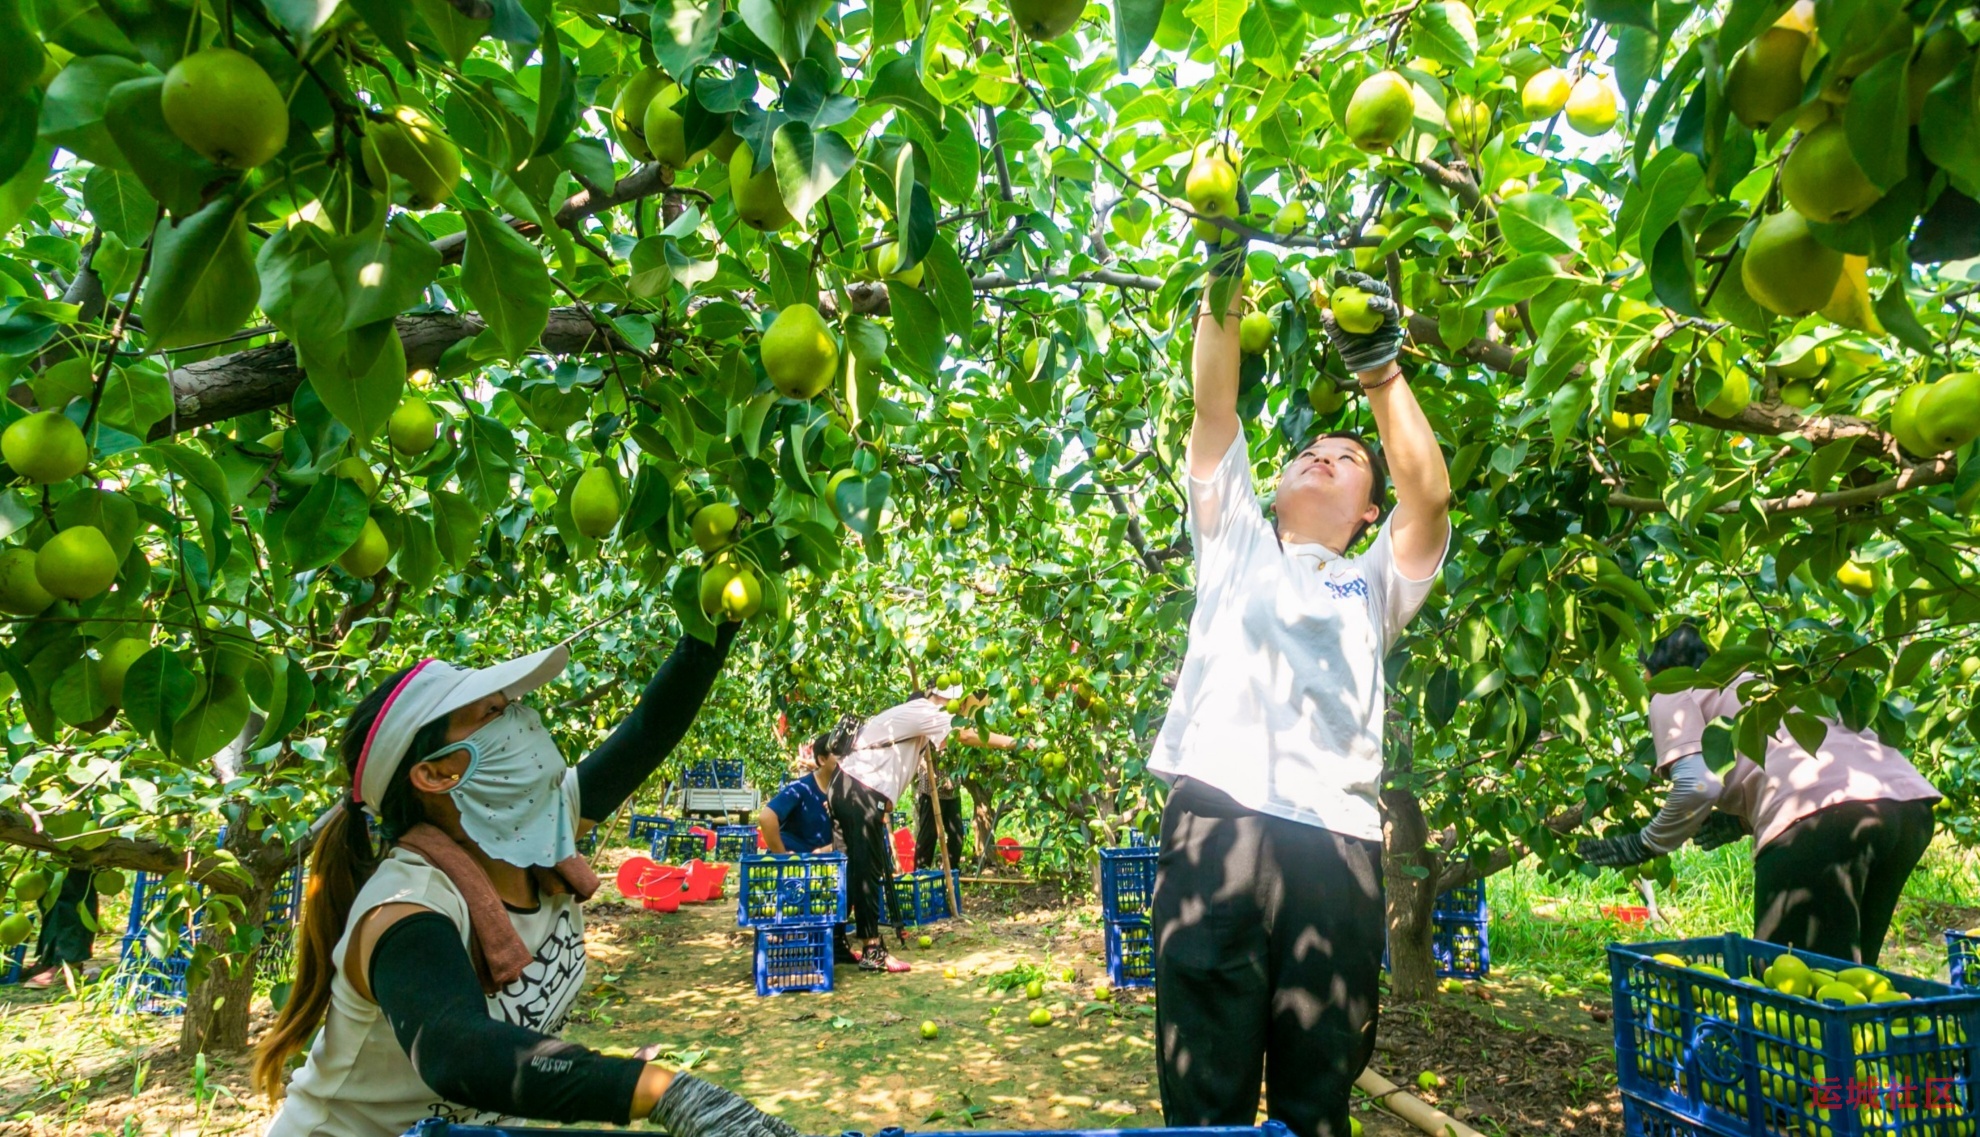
x=1837 y=830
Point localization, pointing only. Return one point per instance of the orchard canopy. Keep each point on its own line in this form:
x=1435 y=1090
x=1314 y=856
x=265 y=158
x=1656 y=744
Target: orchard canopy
x=342 y=334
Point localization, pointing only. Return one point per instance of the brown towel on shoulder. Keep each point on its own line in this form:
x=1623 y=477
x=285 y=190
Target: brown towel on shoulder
x=498 y=951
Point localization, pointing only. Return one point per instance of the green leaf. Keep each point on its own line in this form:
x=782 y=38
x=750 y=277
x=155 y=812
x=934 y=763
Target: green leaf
x=203 y=284
x=18 y=135
x=324 y=523
x=78 y=697
x=1673 y=273
x=292 y=696
x=917 y=328
x=18 y=193
x=953 y=159
x=157 y=690
x=1953 y=142
x=914 y=213
x=1539 y=223
x=809 y=163
x=898 y=84
x=1219 y=20
x=456 y=34
x=556 y=98
x=385 y=270
x=948 y=283
x=505 y=277
x=1745 y=19
x=1273 y=33
x=1636 y=13
x=119 y=203
x=684 y=34
x=784 y=26
x=135 y=398
x=1895 y=313
x=1636 y=58
x=1446 y=32
x=363 y=399
x=488 y=457
x=303 y=17
x=74 y=110
x=389 y=21
x=860 y=502
x=1135 y=22
x=1877 y=120
x=213 y=721
x=1520 y=279
x=170 y=171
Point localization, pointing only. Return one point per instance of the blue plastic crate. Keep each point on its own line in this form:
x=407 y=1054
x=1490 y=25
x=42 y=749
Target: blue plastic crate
x=1462 y=947
x=1465 y=902
x=678 y=847
x=588 y=844
x=734 y=842
x=440 y=1127
x=646 y=826
x=793 y=957
x=16 y=962
x=149 y=978
x=719 y=774
x=1127 y=882
x=1962 y=948
x=917 y=898
x=1739 y=1059
x=788 y=888
x=275 y=959
x=1131 y=953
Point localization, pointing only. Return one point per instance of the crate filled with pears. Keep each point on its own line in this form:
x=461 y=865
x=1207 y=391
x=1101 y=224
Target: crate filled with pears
x=1963 y=957
x=1729 y=1035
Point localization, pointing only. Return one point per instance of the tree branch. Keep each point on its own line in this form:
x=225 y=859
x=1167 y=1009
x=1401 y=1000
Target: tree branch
x=141 y=855
x=1935 y=472
x=645 y=181
x=1464 y=872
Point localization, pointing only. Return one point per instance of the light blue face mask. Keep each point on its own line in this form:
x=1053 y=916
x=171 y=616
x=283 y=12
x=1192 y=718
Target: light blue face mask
x=512 y=796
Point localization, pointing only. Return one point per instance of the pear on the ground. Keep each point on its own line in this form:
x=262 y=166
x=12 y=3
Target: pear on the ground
x=757 y=199
x=1380 y=111
x=1822 y=179
x=1046 y=19
x=595 y=503
x=221 y=103
x=45 y=447
x=1591 y=106
x=799 y=352
x=1786 y=270
x=1545 y=93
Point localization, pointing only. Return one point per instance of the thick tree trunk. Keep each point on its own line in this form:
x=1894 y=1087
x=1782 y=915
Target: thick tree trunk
x=1411 y=866
x=217 y=1008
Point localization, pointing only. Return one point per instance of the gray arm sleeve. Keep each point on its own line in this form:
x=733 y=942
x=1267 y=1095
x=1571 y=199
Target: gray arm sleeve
x=1695 y=789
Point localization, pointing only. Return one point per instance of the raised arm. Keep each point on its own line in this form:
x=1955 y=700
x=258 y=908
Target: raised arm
x=613 y=772
x=1214 y=362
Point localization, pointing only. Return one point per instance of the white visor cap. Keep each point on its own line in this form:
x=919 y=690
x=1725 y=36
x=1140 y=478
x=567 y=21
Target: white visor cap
x=434 y=690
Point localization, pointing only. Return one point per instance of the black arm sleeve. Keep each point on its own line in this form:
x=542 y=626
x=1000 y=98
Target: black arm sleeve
x=610 y=774
x=424 y=982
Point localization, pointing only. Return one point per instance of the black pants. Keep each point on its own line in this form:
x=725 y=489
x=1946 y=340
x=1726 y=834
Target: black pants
x=861 y=814
x=1268 y=952
x=65 y=934
x=924 y=832
x=1830 y=883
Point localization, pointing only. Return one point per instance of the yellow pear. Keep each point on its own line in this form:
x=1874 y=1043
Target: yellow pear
x=1380 y=111
x=1822 y=180
x=757 y=199
x=1786 y=270
x=713 y=526
x=666 y=134
x=1046 y=19
x=1850 y=305
x=221 y=103
x=1469 y=120
x=20 y=590
x=1765 y=81
x=1591 y=106
x=1254 y=333
x=715 y=578
x=1856 y=578
x=409 y=144
x=1211 y=183
x=1545 y=92
x=1949 y=414
x=1352 y=311
x=1891 y=36
x=595 y=503
x=76 y=563
x=1735 y=392
x=367 y=555
x=1809 y=364
x=45 y=447
x=742 y=595
x=118 y=655
x=1798 y=393
x=883 y=259
x=799 y=352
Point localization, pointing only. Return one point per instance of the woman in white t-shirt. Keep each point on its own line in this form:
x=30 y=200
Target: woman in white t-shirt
x=1837 y=830
x=1268 y=909
x=435 y=973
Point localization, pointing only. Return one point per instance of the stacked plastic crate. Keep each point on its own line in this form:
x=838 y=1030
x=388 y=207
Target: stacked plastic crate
x=1461 y=941
x=151 y=971
x=716 y=774
x=734 y=842
x=1962 y=950
x=912 y=899
x=1127 y=890
x=794 y=901
x=276 y=961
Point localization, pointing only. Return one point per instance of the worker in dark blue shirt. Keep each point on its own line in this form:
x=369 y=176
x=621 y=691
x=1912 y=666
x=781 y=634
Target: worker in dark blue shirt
x=797 y=819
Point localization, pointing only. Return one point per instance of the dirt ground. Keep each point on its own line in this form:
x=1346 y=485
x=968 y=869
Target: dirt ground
x=1514 y=1060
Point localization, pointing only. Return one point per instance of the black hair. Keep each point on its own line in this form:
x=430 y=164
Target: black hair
x=1378 y=476
x=840 y=740
x=1682 y=647
x=400 y=809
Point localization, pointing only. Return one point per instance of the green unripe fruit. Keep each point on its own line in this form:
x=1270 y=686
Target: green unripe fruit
x=31 y=886
x=413 y=427
x=14 y=929
x=1254 y=333
x=1354 y=312
x=76 y=563
x=20 y=590
x=757 y=199
x=367 y=555
x=409 y=144
x=45 y=447
x=799 y=352
x=714 y=526
x=118 y=655
x=595 y=505
x=1545 y=93
x=222 y=104
x=1380 y=111
x=108 y=882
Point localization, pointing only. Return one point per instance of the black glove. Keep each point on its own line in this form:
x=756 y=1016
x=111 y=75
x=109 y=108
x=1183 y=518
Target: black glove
x=1224 y=251
x=694 y=1108
x=1368 y=350
x=1719 y=829
x=1615 y=852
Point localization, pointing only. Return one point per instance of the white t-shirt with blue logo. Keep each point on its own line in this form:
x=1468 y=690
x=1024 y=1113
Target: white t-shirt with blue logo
x=1280 y=699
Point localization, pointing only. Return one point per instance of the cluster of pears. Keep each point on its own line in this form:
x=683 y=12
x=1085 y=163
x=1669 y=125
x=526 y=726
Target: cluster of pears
x=1786 y=268
x=647 y=122
x=1589 y=103
x=1211 y=187
x=1937 y=417
x=76 y=562
x=730 y=588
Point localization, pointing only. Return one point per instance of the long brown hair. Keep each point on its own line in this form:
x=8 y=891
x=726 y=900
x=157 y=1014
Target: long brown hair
x=343 y=860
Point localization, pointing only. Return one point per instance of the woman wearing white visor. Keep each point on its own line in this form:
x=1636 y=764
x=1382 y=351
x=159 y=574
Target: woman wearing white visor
x=442 y=967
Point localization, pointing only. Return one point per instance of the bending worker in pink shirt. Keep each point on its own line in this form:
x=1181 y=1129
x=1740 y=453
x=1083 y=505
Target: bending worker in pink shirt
x=1836 y=831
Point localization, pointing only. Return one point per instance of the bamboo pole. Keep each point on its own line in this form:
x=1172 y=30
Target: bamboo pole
x=941 y=839
x=1426 y=1117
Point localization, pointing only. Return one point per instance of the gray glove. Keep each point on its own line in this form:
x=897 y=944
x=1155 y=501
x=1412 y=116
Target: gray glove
x=1367 y=350
x=1719 y=829
x=694 y=1108
x=1615 y=852
x=1228 y=259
